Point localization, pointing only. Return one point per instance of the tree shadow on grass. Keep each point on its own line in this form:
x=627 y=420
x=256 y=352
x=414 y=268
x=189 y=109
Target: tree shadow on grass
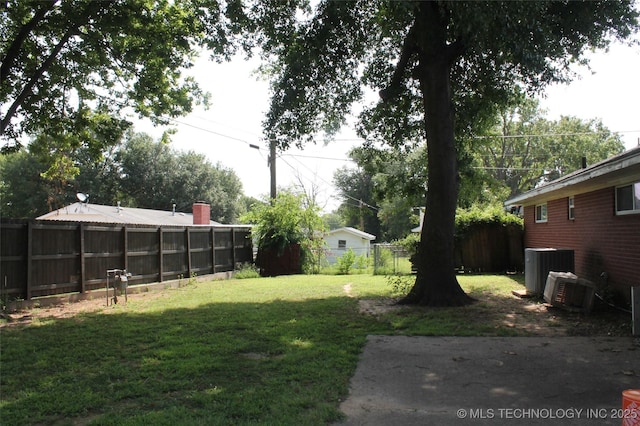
x=277 y=362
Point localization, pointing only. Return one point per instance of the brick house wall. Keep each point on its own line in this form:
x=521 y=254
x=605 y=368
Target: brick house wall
x=602 y=240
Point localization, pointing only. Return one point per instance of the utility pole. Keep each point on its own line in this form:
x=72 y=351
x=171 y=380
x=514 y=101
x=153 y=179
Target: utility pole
x=272 y=167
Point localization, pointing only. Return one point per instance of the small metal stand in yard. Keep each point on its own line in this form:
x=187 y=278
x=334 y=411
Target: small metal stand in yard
x=120 y=282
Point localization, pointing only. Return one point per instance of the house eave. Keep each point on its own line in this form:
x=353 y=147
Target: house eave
x=618 y=170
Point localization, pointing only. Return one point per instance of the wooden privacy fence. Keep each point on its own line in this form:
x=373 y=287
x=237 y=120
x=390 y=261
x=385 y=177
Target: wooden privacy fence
x=46 y=258
x=491 y=248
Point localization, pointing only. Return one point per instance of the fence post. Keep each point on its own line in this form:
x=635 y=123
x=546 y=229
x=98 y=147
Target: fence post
x=213 y=250
x=188 y=251
x=82 y=265
x=125 y=248
x=29 y=259
x=233 y=248
x=160 y=254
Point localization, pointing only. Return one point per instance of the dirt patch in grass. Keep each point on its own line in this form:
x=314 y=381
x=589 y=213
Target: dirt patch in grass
x=71 y=309
x=524 y=316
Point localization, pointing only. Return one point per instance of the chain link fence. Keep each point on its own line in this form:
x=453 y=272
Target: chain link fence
x=390 y=259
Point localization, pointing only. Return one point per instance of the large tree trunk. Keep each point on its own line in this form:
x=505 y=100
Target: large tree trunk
x=436 y=283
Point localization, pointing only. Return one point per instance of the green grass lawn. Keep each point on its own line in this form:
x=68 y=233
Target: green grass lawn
x=271 y=351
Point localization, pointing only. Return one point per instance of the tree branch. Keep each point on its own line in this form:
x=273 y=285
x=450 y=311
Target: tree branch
x=26 y=90
x=408 y=49
x=13 y=50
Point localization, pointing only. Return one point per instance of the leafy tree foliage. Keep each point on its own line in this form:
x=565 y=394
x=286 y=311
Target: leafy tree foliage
x=47 y=174
x=289 y=219
x=60 y=58
x=359 y=206
x=63 y=154
x=138 y=173
x=155 y=176
x=524 y=149
x=23 y=192
x=440 y=67
x=390 y=183
x=333 y=221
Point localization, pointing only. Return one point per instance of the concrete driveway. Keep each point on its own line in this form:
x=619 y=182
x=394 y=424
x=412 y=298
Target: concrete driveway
x=404 y=380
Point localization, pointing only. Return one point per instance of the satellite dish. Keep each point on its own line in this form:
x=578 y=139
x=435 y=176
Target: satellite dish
x=82 y=197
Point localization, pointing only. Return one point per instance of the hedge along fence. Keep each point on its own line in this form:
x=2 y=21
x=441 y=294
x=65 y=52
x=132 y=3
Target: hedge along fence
x=489 y=240
x=486 y=240
x=42 y=258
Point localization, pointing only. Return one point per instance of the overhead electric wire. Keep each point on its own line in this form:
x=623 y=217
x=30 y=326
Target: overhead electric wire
x=363 y=203
x=210 y=131
x=317 y=157
x=548 y=135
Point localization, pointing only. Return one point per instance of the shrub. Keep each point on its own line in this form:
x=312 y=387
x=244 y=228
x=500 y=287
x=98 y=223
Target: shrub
x=289 y=220
x=467 y=219
x=246 y=270
x=346 y=261
x=362 y=262
x=400 y=284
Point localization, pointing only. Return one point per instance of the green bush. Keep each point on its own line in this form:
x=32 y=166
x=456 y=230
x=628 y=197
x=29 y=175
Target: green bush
x=467 y=219
x=362 y=262
x=346 y=262
x=289 y=220
x=246 y=270
x=400 y=285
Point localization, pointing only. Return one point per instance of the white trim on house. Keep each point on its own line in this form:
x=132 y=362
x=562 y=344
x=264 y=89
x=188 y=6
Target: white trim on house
x=353 y=231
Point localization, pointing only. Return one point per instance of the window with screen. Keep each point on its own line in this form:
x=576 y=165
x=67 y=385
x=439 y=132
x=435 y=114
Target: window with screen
x=628 y=198
x=572 y=205
x=541 y=213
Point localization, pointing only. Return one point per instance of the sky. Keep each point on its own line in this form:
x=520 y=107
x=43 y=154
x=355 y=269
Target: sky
x=239 y=99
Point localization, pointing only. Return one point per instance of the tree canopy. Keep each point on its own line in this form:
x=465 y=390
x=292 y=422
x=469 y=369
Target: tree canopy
x=524 y=148
x=60 y=58
x=139 y=172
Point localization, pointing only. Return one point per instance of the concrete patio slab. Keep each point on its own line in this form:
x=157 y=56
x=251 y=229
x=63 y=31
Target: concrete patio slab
x=404 y=380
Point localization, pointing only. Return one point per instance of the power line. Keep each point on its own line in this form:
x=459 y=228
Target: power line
x=225 y=125
x=327 y=183
x=211 y=131
x=547 y=135
x=317 y=158
x=526 y=169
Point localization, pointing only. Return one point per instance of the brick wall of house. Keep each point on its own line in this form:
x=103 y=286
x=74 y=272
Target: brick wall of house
x=603 y=242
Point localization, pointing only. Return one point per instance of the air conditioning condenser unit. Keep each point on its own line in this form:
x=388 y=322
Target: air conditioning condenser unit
x=538 y=262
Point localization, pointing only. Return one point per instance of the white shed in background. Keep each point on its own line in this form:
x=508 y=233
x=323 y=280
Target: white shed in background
x=342 y=239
